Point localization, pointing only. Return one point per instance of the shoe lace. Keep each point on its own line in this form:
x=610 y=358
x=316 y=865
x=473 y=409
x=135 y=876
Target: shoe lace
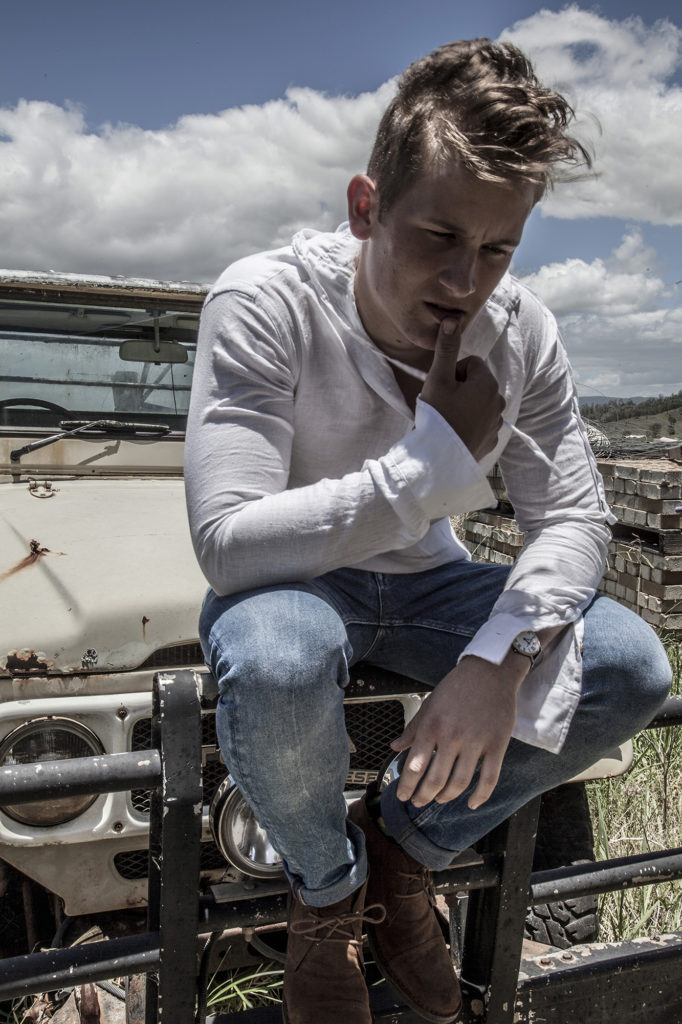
x=419 y=882
x=375 y=913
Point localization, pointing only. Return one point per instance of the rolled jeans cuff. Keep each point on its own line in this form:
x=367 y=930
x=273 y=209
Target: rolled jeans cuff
x=405 y=832
x=352 y=878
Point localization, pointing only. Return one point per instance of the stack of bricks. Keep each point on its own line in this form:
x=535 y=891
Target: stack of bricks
x=643 y=495
x=491 y=537
x=642 y=578
x=644 y=567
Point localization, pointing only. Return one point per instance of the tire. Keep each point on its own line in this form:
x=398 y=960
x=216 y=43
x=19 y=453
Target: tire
x=13 y=941
x=564 y=837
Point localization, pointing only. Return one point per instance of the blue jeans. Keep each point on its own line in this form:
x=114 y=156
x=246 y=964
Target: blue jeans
x=281 y=656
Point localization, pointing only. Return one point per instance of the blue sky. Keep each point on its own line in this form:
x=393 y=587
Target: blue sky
x=164 y=139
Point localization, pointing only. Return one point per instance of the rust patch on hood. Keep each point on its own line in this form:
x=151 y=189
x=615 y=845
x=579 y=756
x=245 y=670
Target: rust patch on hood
x=28 y=663
x=36 y=552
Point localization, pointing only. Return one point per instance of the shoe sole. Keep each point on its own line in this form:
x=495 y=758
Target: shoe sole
x=395 y=984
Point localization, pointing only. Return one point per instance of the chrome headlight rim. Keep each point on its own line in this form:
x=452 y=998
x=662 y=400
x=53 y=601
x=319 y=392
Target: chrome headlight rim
x=229 y=812
x=25 y=814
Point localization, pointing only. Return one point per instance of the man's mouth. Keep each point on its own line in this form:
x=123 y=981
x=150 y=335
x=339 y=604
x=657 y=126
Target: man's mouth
x=445 y=312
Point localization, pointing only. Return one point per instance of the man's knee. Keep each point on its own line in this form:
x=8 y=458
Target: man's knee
x=274 y=638
x=626 y=652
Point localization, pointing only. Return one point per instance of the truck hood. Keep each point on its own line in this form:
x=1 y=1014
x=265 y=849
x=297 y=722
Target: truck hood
x=95 y=575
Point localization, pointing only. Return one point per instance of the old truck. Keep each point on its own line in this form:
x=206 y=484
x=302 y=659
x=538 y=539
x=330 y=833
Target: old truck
x=99 y=586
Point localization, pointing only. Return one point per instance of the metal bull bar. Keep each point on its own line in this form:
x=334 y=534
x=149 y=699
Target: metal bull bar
x=172 y=769
x=600 y=983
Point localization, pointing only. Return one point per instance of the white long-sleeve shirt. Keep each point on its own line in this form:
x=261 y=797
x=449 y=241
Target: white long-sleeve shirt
x=303 y=456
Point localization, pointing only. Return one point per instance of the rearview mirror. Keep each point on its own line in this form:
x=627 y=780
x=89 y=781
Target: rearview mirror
x=152 y=352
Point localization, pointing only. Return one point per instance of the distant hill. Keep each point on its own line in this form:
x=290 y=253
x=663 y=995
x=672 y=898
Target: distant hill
x=625 y=417
x=604 y=400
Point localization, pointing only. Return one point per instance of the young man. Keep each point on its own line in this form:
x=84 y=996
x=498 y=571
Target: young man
x=351 y=392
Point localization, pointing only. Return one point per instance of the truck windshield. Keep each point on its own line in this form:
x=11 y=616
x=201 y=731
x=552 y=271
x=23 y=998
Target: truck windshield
x=67 y=361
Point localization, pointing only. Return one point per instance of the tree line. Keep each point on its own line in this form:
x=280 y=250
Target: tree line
x=625 y=408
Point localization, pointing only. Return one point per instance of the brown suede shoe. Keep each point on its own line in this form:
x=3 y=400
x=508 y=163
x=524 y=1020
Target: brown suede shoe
x=324 y=974
x=408 y=945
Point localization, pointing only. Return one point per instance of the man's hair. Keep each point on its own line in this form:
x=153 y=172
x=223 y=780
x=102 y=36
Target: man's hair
x=481 y=103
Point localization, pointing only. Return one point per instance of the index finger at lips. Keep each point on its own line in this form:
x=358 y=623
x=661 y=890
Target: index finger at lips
x=448 y=343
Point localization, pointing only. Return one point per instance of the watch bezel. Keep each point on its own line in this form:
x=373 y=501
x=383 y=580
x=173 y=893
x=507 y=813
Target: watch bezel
x=527 y=643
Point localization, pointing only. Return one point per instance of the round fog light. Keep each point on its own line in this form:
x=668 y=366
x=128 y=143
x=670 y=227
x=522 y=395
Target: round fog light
x=48 y=739
x=238 y=835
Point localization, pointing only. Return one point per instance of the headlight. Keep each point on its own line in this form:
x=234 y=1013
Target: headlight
x=48 y=739
x=236 y=832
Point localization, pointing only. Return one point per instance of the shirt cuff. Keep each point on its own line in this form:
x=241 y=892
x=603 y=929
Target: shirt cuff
x=443 y=475
x=494 y=638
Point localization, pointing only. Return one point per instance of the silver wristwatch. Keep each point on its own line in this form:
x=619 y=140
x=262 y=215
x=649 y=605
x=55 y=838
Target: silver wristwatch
x=527 y=644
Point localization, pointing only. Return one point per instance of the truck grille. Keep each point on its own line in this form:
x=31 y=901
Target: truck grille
x=370 y=724
x=175 y=656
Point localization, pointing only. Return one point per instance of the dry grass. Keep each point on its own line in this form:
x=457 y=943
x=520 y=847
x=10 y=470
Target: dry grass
x=638 y=813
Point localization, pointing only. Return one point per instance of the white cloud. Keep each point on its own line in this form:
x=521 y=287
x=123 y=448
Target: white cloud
x=622 y=335
x=624 y=284
x=618 y=71
x=638 y=354
x=182 y=202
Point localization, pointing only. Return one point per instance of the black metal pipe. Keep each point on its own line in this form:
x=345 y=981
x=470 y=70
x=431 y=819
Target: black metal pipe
x=669 y=714
x=75 y=776
x=605 y=876
x=93 y=961
x=464 y=879
x=269 y=907
x=260 y=910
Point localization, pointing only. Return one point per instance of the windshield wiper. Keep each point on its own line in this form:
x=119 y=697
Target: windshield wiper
x=74 y=427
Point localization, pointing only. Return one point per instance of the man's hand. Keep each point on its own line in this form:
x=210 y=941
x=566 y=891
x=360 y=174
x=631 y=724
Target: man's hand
x=467 y=719
x=465 y=393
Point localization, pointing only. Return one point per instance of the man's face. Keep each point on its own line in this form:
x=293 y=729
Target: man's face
x=439 y=252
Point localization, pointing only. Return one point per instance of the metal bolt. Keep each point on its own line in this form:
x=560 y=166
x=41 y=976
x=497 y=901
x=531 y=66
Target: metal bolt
x=118 y=826
x=566 y=956
x=545 y=961
x=122 y=712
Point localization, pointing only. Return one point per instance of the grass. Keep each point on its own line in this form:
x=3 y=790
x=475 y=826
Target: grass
x=641 y=813
x=245 y=989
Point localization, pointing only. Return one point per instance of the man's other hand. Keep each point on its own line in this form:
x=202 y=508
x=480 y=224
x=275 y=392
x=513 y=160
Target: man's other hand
x=467 y=720
x=464 y=392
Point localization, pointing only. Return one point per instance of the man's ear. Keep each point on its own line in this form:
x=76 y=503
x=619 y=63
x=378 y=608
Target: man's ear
x=363 y=201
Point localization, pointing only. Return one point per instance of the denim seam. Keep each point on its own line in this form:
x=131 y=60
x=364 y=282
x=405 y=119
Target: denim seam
x=436 y=626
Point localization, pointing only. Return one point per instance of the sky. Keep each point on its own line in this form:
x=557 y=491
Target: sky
x=164 y=139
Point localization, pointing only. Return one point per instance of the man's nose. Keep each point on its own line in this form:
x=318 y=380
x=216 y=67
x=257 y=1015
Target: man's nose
x=458 y=274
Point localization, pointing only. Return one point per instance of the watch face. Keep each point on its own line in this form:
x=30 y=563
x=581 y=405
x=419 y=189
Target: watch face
x=527 y=643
